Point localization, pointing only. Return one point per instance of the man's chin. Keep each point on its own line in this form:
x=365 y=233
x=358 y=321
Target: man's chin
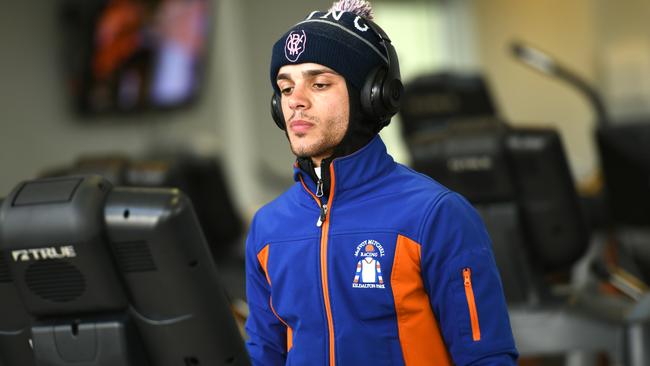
x=301 y=153
x=305 y=152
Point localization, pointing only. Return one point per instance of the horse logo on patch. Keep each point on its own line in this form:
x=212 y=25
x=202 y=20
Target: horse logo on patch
x=295 y=45
x=368 y=273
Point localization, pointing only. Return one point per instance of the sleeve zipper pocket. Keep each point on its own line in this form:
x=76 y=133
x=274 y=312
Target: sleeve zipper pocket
x=471 y=303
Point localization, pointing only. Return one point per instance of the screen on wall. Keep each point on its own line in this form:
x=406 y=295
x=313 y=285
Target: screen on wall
x=134 y=55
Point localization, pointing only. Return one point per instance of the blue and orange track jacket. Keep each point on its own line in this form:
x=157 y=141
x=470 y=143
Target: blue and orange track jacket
x=399 y=272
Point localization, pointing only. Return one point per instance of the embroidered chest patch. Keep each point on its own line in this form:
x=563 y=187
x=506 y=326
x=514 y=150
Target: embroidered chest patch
x=368 y=272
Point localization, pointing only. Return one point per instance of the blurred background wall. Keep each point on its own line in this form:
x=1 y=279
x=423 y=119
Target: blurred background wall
x=608 y=43
x=41 y=129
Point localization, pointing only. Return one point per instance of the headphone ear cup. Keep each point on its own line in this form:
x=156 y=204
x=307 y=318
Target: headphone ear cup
x=370 y=94
x=391 y=96
x=380 y=96
x=276 y=112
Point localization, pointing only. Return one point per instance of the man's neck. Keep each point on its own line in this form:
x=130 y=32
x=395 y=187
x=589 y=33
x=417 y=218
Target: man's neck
x=318 y=160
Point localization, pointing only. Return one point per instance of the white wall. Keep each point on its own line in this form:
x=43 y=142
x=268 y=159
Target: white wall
x=623 y=56
x=39 y=130
x=261 y=24
x=565 y=29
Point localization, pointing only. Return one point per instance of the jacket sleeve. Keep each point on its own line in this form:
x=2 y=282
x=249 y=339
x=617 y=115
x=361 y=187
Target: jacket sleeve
x=267 y=336
x=464 y=286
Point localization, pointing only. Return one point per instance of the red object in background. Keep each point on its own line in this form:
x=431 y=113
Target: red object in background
x=117 y=36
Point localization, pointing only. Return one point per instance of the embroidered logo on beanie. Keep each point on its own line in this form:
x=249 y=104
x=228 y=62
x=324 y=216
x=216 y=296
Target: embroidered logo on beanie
x=339 y=38
x=295 y=45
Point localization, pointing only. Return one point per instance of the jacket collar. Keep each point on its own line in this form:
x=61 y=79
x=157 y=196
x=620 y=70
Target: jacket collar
x=354 y=170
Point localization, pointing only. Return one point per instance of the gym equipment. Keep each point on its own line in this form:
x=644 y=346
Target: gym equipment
x=200 y=178
x=99 y=275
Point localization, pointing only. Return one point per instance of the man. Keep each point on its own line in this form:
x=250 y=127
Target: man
x=429 y=292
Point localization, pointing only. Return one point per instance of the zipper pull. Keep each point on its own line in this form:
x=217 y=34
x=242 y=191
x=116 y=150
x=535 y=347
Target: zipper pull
x=471 y=304
x=323 y=215
x=467 y=275
x=319 y=188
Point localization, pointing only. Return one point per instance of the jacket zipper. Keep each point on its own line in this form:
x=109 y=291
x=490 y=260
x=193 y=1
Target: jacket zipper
x=471 y=303
x=323 y=223
x=319 y=188
x=322 y=216
x=323 y=207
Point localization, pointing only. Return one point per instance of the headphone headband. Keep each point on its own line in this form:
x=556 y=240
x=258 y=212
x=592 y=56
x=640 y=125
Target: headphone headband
x=381 y=91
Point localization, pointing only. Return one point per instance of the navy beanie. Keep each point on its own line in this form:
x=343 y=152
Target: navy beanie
x=340 y=40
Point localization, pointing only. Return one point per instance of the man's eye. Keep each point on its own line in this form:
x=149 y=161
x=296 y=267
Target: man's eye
x=286 y=91
x=320 y=85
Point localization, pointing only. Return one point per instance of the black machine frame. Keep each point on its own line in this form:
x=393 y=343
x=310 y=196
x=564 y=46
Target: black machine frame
x=109 y=276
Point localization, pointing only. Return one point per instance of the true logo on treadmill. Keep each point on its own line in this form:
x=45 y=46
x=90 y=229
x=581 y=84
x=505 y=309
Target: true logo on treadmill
x=368 y=271
x=38 y=254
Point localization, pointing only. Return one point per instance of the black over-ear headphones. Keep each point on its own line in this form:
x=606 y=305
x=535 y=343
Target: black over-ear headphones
x=381 y=93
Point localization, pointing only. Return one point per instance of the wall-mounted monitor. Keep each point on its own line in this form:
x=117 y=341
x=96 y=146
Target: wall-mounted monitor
x=135 y=55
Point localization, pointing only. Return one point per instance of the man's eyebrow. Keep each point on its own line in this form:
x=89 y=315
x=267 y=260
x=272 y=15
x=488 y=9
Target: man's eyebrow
x=283 y=77
x=310 y=72
x=314 y=72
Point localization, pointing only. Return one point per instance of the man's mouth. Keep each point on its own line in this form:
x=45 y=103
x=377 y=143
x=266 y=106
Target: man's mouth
x=300 y=126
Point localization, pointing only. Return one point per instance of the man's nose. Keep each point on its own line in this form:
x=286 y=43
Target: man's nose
x=299 y=98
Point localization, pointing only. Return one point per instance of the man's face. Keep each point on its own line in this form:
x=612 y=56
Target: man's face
x=316 y=109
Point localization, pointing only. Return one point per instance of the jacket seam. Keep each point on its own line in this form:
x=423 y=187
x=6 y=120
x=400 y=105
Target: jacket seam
x=374 y=197
x=420 y=238
x=420 y=174
x=286 y=240
x=268 y=278
x=386 y=173
x=347 y=232
x=420 y=250
x=430 y=211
